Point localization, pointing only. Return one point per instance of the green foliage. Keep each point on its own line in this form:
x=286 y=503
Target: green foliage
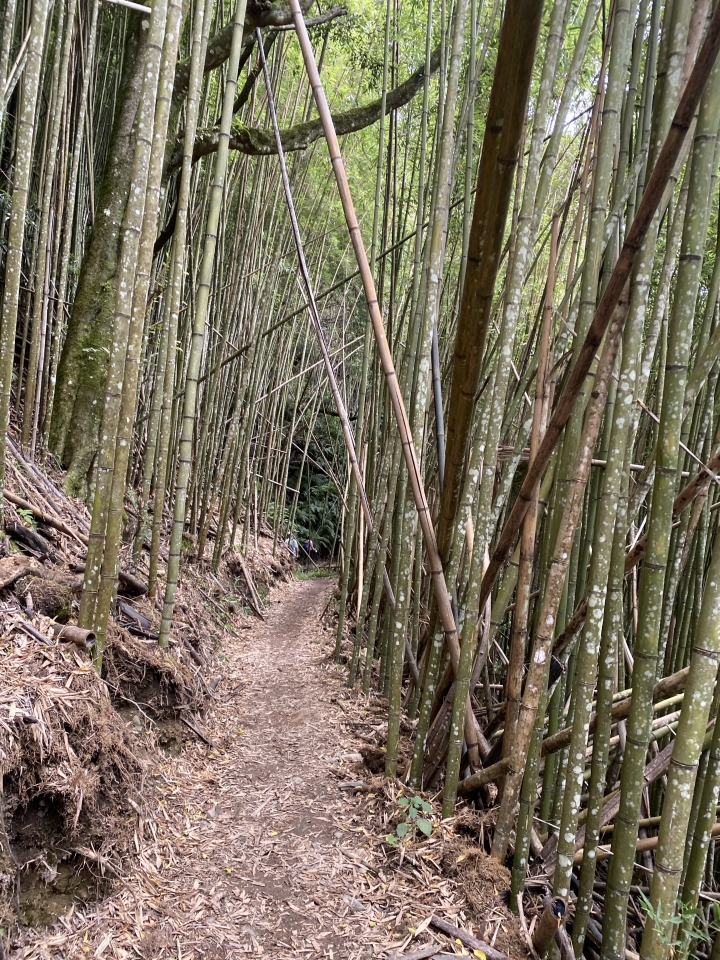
x=28 y=517
x=684 y=932
x=411 y=822
x=318 y=516
x=319 y=505
x=315 y=573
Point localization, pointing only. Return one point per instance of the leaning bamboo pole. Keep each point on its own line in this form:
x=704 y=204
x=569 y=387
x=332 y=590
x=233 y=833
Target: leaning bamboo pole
x=386 y=360
x=317 y=326
x=362 y=393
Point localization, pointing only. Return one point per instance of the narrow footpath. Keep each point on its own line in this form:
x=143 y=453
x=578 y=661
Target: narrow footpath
x=253 y=848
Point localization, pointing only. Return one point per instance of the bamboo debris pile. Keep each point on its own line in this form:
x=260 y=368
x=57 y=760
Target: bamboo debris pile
x=71 y=769
x=161 y=683
x=50 y=531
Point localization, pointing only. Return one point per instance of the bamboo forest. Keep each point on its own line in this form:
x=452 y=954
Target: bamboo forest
x=360 y=475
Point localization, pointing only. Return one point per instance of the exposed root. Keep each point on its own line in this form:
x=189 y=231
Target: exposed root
x=70 y=770
x=141 y=673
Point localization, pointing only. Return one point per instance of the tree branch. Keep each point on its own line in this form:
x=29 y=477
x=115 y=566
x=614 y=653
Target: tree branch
x=261 y=143
x=258 y=14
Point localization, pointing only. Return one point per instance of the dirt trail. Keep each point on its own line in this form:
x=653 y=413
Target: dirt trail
x=252 y=847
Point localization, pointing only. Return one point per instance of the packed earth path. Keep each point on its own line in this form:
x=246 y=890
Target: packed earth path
x=253 y=846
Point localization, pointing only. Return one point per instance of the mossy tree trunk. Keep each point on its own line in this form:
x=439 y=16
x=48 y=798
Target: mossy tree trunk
x=82 y=372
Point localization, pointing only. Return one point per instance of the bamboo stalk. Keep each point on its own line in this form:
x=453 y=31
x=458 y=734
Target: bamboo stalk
x=103 y=545
x=386 y=360
x=317 y=326
x=652 y=580
x=27 y=118
x=198 y=332
x=661 y=173
x=527 y=549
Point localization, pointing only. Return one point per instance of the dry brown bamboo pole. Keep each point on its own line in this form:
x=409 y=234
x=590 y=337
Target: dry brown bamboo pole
x=386 y=360
x=518 y=642
x=667 y=687
x=45 y=518
x=317 y=326
x=648 y=843
x=496 y=173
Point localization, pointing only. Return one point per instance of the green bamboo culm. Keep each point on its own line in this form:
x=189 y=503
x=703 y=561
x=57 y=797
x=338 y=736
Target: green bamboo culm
x=199 y=323
x=91 y=614
x=173 y=297
x=40 y=305
x=611 y=630
x=536 y=183
x=108 y=578
x=689 y=739
x=652 y=575
x=705 y=653
x=6 y=36
x=419 y=359
x=699 y=842
x=25 y=131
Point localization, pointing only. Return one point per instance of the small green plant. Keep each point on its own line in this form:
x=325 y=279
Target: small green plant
x=28 y=517
x=681 y=933
x=314 y=573
x=407 y=828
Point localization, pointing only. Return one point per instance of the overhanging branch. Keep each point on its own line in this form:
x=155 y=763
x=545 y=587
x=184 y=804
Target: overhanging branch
x=257 y=142
x=218 y=50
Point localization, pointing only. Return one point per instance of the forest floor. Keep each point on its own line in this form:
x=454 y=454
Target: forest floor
x=258 y=842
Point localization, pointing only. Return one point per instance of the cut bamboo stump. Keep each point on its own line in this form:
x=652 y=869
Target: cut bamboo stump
x=550 y=920
x=66 y=632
